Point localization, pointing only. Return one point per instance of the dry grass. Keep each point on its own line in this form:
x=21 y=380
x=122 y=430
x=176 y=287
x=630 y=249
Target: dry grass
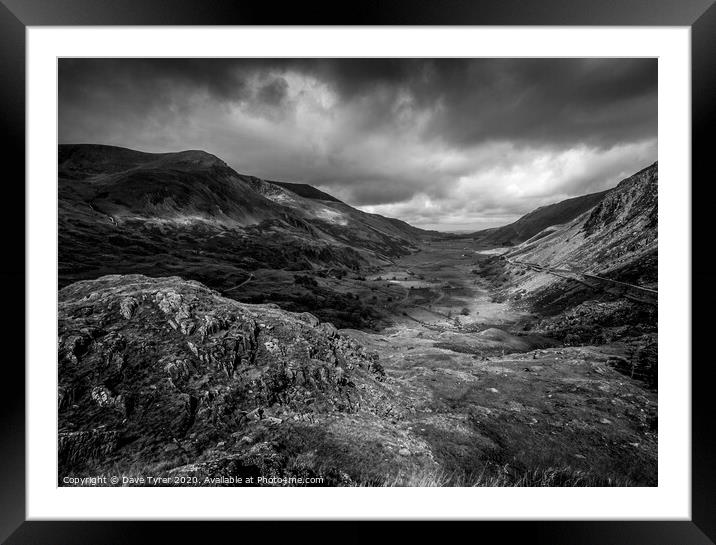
x=502 y=477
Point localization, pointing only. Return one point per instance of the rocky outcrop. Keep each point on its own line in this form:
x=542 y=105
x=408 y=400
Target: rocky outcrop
x=633 y=202
x=616 y=233
x=600 y=322
x=158 y=367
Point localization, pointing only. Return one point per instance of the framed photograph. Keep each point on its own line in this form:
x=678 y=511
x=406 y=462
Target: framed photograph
x=405 y=266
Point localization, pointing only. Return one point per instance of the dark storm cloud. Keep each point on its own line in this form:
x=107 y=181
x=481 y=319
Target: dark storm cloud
x=380 y=132
x=274 y=92
x=543 y=101
x=527 y=100
x=81 y=76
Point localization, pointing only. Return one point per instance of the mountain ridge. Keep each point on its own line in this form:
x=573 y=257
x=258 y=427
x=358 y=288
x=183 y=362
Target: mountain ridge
x=537 y=220
x=621 y=228
x=123 y=211
x=186 y=185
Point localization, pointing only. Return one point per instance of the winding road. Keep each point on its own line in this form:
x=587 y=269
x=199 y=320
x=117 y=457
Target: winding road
x=630 y=291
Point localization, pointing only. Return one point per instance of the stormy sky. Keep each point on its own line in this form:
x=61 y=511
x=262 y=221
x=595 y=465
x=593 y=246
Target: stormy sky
x=447 y=144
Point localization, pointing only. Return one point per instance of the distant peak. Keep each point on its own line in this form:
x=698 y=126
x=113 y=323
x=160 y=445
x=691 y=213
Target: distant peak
x=100 y=153
x=192 y=157
x=114 y=158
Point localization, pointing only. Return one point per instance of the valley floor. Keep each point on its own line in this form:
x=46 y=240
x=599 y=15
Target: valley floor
x=471 y=395
x=478 y=400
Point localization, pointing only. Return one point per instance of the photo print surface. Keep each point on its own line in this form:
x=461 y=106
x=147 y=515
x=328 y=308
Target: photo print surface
x=357 y=272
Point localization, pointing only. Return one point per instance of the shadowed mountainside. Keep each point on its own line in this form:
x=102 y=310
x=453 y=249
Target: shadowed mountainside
x=616 y=234
x=189 y=214
x=586 y=266
x=539 y=219
x=194 y=186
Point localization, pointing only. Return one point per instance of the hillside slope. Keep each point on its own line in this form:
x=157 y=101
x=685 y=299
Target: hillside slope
x=536 y=221
x=179 y=188
x=619 y=232
x=195 y=186
x=188 y=213
x=347 y=225
x=305 y=190
x=596 y=278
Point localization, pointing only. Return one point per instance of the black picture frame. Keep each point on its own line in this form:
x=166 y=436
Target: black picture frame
x=16 y=15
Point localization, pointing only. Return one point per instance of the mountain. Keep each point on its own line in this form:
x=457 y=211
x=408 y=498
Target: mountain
x=345 y=223
x=180 y=188
x=617 y=235
x=595 y=278
x=189 y=213
x=195 y=186
x=536 y=221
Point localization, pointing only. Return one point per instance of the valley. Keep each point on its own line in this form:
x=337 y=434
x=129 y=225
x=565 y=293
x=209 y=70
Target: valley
x=488 y=396
x=322 y=341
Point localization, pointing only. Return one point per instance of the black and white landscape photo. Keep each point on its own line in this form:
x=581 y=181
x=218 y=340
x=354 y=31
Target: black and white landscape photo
x=357 y=272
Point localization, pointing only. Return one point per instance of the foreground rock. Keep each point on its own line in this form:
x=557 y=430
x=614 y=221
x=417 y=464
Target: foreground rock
x=160 y=373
